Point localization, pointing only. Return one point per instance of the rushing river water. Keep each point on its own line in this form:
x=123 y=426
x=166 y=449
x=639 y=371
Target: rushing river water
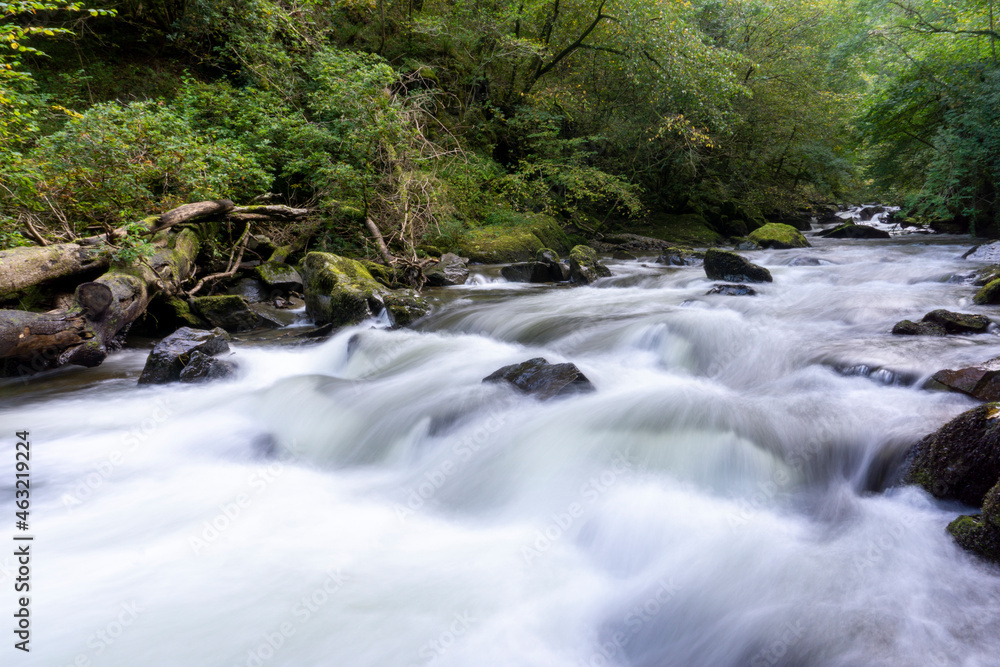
x=725 y=497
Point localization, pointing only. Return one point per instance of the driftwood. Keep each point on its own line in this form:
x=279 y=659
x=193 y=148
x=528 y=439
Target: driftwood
x=84 y=333
x=191 y=212
x=273 y=213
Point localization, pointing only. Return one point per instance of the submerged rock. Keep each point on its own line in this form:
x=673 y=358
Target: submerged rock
x=733 y=290
x=728 y=266
x=852 y=231
x=450 y=270
x=543 y=380
x=584 y=267
x=981 y=382
x=779 y=236
x=942 y=322
x=170 y=356
x=961 y=460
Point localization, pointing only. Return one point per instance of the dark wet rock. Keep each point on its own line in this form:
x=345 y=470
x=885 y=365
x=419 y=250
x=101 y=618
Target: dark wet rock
x=869 y=212
x=543 y=380
x=799 y=221
x=548 y=271
x=171 y=354
x=981 y=382
x=988 y=252
x=202 y=368
x=732 y=290
x=279 y=276
x=275 y=316
x=851 y=231
x=911 y=328
x=989 y=294
x=631 y=243
x=450 y=270
x=584 y=266
x=623 y=255
x=941 y=323
x=728 y=266
x=961 y=460
x=980 y=533
x=230 y=312
x=250 y=289
x=674 y=256
x=805 y=261
x=779 y=236
x=949 y=226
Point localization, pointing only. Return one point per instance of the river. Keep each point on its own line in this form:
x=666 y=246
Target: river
x=725 y=497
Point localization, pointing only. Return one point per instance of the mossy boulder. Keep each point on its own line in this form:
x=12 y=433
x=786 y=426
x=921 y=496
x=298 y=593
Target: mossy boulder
x=183 y=316
x=689 y=229
x=911 y=328
x=584 y=267
x=279 y=276
x=392 y=277
x=341 y=291
x=450 y=270
x=230 y=312
x=779 y=236
x=961 y=460
x=988 y=294
x=730 y=267
x=516 y=239
x=942 y=322
x=980 y=533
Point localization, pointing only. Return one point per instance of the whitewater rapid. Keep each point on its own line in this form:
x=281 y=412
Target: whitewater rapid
x=725 y=497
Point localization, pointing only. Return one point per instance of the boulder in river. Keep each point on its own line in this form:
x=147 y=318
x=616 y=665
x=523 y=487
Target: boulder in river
x=543 y=380
x=733 y=290
x=988 y=294
x=170 y=356
x=942 y=322
x=981 y=382
x=961 y=460
x=450 y=270
x=674 y=256
x=779 y=236
x=980 y=533
x=728 y=266
x=341 y=291
x=584 y=267
x=202 y=367
x=279 y=276
x=230 y=312
x=545 y=269
x=987 y=252
x=851 y=231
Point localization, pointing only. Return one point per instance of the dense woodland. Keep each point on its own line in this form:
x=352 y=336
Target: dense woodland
x=432 y=118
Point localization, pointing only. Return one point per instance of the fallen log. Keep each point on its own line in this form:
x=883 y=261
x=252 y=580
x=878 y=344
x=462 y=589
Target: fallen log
x=84 y=333
x=271 y=213
x=23 y=267
x=191 y=212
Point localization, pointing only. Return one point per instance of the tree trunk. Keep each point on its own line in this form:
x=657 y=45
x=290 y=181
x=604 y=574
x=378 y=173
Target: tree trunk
x=84 y=333
x=23 y=267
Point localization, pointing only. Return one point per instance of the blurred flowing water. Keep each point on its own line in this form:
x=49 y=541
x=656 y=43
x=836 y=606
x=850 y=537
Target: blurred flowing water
x=725 y=497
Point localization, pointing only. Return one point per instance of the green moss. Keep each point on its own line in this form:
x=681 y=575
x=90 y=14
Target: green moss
x=183 y=315
x=388 y=276
x=778 y=235
x=497 y=245
x=989 y=294
x=975 y=535
x=688 y=229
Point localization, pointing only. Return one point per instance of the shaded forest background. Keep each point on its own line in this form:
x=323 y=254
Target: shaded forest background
x=433 y=118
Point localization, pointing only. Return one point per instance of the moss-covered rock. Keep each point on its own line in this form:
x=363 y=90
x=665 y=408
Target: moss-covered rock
x=584 y=266
x=279 y=276
x=959 y=323
x=229 y=312
x=182 y=314
x=687 y=229
x=390 y=276
x=989 y=294
x=980 y=533
x=518 y=239
x=341 y=292
x=961 y=460
x=778 y=235
x=450 y=270
x=852 y=231
x=730 y=267
x=911 y=328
